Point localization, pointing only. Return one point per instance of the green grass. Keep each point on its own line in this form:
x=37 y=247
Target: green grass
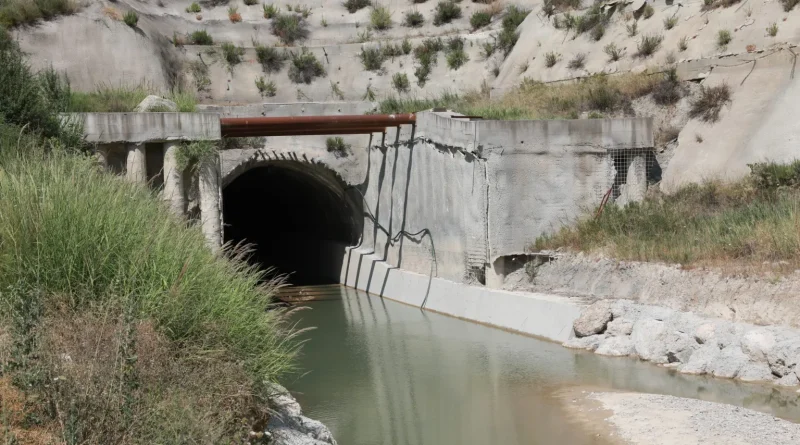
x=231 y=54
x=413 y=19
x=25 y=12
x=337 y=146
x=270 y=58
x=400 y=82
x=723 y=38
x=121 y=99
x=748 y=222
x=194 y=8
x=479 y=19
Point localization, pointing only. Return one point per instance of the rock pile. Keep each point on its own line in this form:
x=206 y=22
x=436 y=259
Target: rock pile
x=692 y=344
x=287 y=424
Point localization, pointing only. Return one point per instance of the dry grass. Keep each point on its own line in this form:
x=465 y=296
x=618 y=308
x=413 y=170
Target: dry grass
x=741 y=225
x=708 y=106
x=112 y=380
x=112 y=13
x=535 y=100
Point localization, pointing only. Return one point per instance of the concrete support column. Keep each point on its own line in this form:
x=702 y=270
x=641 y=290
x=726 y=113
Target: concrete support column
x=101 y=155
x=211 y=202
x=136 y=164
x=635 y=186
x=173 y=179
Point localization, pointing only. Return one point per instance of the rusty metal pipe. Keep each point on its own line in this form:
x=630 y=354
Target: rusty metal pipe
x=307 y=132
x=384 y=120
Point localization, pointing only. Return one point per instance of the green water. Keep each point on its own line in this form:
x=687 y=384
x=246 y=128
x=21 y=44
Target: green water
x=380 y=372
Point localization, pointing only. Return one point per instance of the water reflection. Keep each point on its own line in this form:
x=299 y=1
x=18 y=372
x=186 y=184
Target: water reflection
x=380 y=372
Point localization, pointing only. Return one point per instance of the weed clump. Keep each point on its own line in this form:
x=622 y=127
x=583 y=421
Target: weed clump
x=446 y=11
x=551 y=58
x=372 y=58
x=668 y=91
x=772 y=29
x=456 y=58
x=613 y=52
x=353 y=6
x=232 y=54
x=233 y=14
x=413 y=19
x=380 y=18
x=194 y=8
x=723 y=38
x=708 y=106
x=670 y=22
x=266 y=88
x=201 y=37
x=648 y=11
x=337 y=146
x=648 y=45
x=683 y=44
x=788 y=5
x=400 y=82
x=305 y=67
x=480 y=19
x=577 y=62
x=270 y=58
x=513 y=17
x=131 y=18
x=289 y=28
x=270 y=11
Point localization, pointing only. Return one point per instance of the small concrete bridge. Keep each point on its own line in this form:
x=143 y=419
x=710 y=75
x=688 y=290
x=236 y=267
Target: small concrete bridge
x=442 y=195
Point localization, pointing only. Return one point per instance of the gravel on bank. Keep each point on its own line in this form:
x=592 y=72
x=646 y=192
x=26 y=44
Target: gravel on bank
x=650 y=419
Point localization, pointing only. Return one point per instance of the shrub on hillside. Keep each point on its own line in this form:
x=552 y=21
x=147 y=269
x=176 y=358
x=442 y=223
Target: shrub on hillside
x=413 y=19
x=290 y=28
x=24 y=12
x=480 y=19
x=194 y=8
x=380 y=18
x=131 y=18
x=648 y=45
x=270 y=11
x=400 y=82
x=354 y=5
x=551 y=58
x=668 y=91
x=266 y=88
x=233 y=14
x=232 y=54
x=201 y=37
x=305 y=67
x=250 y=2
x=710 y=102
x=788 y=5
x=577 y=62
x=456 y=58
x=723 y=38
x=270 y=58
x=371 y=58
x=446 y=11
x=614 y=52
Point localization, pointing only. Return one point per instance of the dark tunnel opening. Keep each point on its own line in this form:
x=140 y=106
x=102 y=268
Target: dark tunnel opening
x=298 y=217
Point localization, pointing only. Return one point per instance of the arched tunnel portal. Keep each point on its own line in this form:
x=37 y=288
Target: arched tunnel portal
x=299 y=217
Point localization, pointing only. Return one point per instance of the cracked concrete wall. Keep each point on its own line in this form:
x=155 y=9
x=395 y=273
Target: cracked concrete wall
x=544 y=174
x=449 y=196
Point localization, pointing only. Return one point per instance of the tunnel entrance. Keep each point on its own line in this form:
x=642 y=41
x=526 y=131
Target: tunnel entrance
x=299 y=217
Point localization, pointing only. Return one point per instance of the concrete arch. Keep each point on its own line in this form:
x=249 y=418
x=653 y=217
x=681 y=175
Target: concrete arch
x=299 y=216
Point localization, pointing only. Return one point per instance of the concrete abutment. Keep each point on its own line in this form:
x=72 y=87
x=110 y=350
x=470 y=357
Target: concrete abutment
x=450 y=198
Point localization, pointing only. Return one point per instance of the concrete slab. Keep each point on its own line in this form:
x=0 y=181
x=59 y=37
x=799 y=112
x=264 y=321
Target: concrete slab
x=104 y=128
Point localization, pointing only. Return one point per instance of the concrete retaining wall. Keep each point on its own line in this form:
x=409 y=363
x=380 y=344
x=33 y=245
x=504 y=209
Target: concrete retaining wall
x=542 y=315
x=148 y=127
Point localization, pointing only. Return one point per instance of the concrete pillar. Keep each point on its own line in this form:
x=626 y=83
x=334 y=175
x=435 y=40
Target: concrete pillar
x=101 y=155
x=635 y=186
x=173 y=179
x=496 y=273
x=136 y=164
x=211 y=202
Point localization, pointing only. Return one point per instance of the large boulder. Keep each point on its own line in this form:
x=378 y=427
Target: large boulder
x=619 y=327
x=680 y=346
x=728 y=363
x=701 y=360
x=648 y=337
x=758 y=343
x=616 y=346
x=593 y=319
x=755 y=372
x=289 y=426
x=589 y=343
x=784 y=356
x=155 y=103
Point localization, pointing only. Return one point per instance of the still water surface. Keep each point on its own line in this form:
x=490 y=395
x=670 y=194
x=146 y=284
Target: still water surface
x=380 y=372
